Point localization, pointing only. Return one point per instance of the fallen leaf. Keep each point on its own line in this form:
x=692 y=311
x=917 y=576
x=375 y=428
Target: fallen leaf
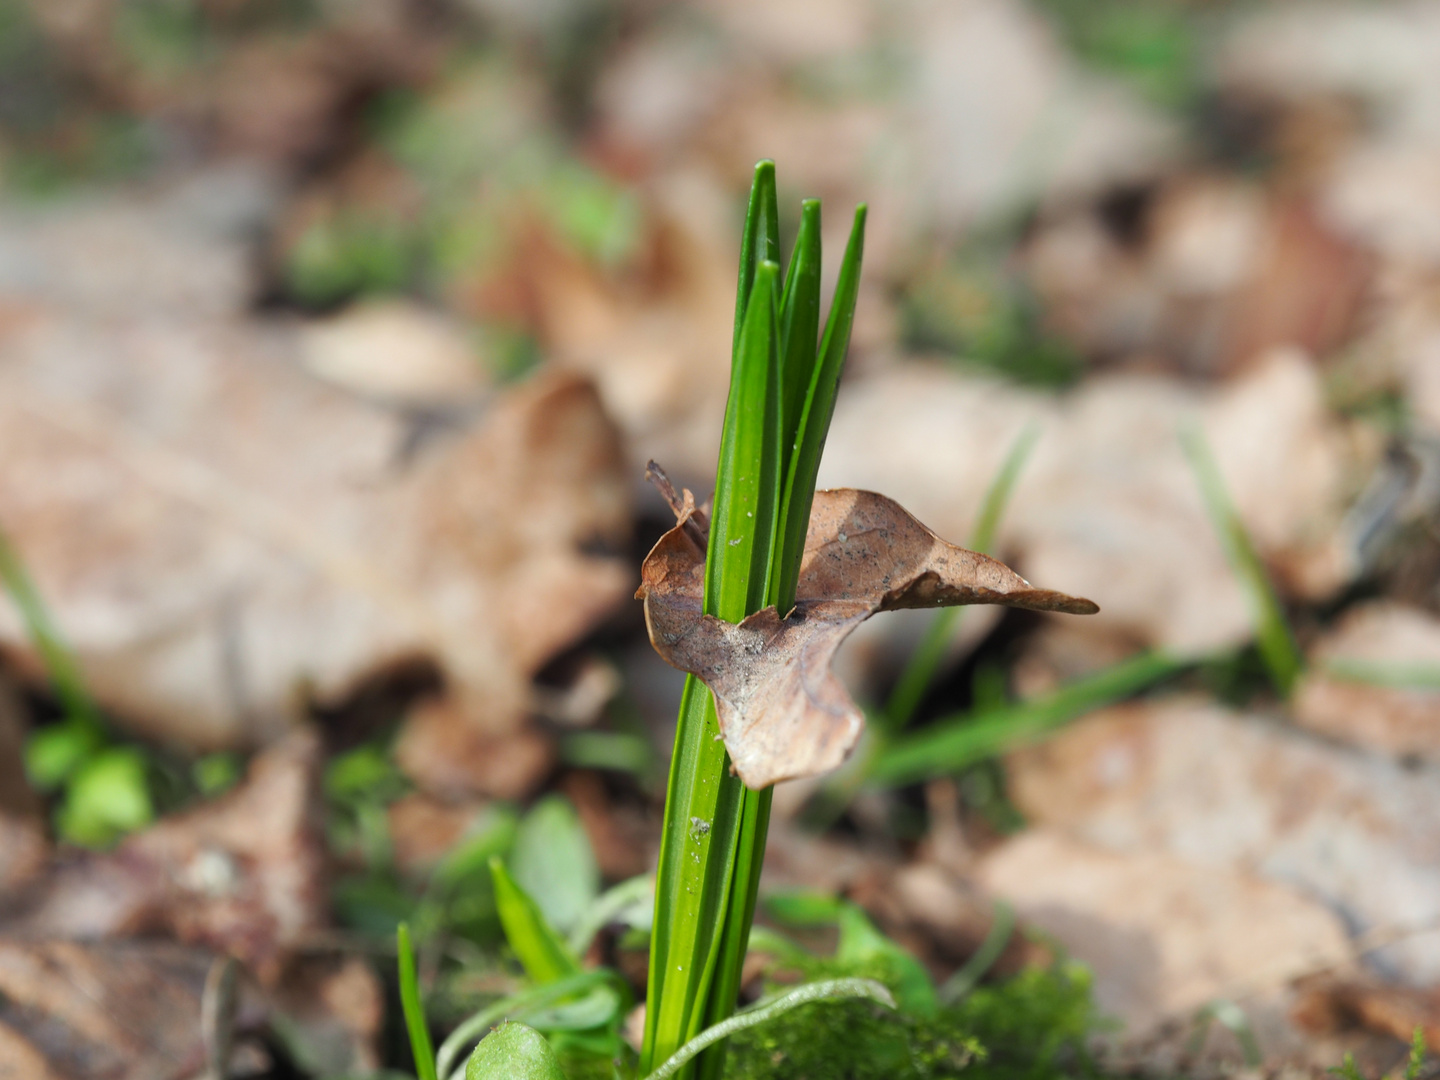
x=1224 y=791
x=1394 y=720
x=444 y=750
x=1108 y=502
x=244 y=874
x=783 y=713
x=24 y=848
x=127 y=1010
x=1164 y=937
x=1329 y=1004
x=399 y=353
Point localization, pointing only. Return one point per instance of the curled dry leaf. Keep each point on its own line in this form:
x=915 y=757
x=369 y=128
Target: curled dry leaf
x=783 y=713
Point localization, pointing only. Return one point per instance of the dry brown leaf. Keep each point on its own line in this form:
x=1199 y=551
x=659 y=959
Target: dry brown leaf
x=1162 y=935
x=126 y=1010
x=244 y=874
x=1398 y=720
x=1225 y=790
x=783 y=713
x=1328 y=1004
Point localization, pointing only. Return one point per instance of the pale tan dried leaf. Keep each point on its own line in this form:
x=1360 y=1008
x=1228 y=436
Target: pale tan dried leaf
x=782 y=711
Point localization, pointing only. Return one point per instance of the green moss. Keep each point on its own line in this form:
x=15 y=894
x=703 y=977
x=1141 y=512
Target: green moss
x=1032 y=1027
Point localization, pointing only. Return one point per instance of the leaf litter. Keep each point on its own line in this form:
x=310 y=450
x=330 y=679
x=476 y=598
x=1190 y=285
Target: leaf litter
x=783 y=713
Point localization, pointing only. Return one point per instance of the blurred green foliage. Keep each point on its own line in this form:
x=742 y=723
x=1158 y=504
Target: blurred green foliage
x=1154 y=45
x=972 y=309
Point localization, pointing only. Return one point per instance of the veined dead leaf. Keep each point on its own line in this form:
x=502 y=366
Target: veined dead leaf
x=783 y=713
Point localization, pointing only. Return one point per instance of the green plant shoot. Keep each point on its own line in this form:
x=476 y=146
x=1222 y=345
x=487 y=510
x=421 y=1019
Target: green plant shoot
x=782 y=395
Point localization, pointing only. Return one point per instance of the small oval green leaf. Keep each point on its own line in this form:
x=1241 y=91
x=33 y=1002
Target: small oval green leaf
x=513 y=1052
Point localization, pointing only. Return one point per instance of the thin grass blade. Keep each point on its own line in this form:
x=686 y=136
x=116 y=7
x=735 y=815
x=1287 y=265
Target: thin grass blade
x=412 y=1007
x=1273 y=636
x=924 y=662
x=951 y=745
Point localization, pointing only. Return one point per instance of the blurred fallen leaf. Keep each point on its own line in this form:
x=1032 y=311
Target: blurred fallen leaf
x=1374 y=681
x=128 y=1010
x=782 y=711
x=1163 y=936
x=1225 y=791
x=1328 y=1004
x=243 y=874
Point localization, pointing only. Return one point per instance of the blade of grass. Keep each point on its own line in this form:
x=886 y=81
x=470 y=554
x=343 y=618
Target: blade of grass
x=414 y=1011
x=516 y=1006
x=952 y=744
x=1273 y=636
x=59 y=662
x=1392 y=676
x=919 y=671
x=1002 y=925
x=765 y=1011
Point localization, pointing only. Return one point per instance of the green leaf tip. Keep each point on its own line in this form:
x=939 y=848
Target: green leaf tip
x=412 y=1007
x=513 y=1051
x=542 y=952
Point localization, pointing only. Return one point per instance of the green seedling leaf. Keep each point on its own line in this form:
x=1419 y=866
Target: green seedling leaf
x=542 y=952
x=215 y=774
x=759 y=243
x=1272 y=631
x=861 y=941
x=613 y=750
x=800 y=320
x=513 y=1052
x=782 y=712
x=631 y=903
x=924 y=662
x=596 y=1009
x=742 y=527
x=106 y=797
x=494 y=835
x=519 y=1006
x=808 y=439
x=802 y=907
x=1416 y=1061
x=768 y=1009
x=954 y=743
x=414 y=1010
x=553 y=862
x=364 y=774
x=53 y=754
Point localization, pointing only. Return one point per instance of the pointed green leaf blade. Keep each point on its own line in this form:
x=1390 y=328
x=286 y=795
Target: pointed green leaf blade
x=760 y=242
x=411 y=1006
x=815 y=414
x=747 y=482
x=542 y=952
x=800 y=321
